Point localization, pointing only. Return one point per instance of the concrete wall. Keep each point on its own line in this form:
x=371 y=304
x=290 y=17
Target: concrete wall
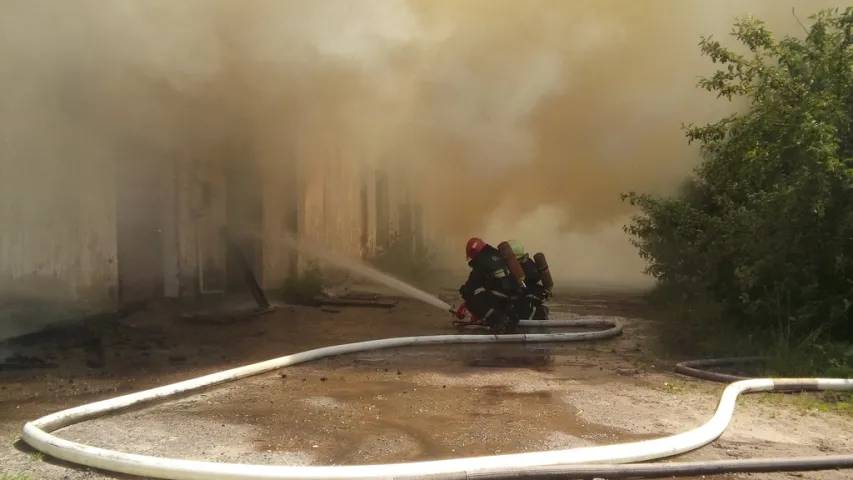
x=370 y=220
x=201 y=206
x=279 y=218
x=57 y=239
x=343 y=214
x=331 y=203
x=346 y=205
x=61 y=238
x=281 y=194
x=331 y=210
x=395 y=197
x=74 y=241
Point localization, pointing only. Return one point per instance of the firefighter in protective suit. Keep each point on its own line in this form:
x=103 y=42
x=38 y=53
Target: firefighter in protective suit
x=491 y=291
x=532 y=305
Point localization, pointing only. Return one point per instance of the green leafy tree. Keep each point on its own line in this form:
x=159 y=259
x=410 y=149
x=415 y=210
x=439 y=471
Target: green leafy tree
x=764 y=227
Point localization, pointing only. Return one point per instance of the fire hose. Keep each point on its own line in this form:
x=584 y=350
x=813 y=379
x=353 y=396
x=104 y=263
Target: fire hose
x=608 y=461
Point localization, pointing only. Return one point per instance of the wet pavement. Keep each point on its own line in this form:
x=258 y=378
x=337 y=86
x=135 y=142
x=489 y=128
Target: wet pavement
x=405 y=407
x=384 y=406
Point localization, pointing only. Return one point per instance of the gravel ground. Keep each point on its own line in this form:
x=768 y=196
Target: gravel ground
x=385 y=406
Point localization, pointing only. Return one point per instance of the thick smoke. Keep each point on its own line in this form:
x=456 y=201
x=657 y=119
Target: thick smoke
x=503 y=109
x=570 y=103
x=595 y=95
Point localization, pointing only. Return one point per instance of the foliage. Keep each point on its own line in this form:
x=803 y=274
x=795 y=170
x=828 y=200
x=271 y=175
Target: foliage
x=763 y=230
x=399 y=258
x=306 y=287
x=14 y=476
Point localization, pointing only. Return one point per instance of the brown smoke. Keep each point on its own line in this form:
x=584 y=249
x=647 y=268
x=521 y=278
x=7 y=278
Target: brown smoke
x=497 y=108
x=568 y=104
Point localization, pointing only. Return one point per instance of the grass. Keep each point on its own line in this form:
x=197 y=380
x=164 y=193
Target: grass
x=36 y=456
x=14 y=476
x=809 y=403
x=32 y=454
x=698 y=329
x=674 y=387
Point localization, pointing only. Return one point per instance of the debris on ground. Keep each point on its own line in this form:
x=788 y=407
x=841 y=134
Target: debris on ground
x=25 y=362
x=225 y=318
x=354 y=302
x=353 y=298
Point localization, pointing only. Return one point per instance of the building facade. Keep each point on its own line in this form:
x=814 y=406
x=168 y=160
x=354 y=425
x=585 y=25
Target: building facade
x=96 y=236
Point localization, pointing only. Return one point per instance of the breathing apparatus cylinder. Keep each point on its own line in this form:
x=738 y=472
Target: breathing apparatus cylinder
x=544 y=271
x=514 y=267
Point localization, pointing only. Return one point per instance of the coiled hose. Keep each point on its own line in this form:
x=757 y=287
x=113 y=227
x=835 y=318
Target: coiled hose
x=587 y=462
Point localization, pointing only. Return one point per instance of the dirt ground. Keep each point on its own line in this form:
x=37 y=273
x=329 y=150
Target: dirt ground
x=385 y=406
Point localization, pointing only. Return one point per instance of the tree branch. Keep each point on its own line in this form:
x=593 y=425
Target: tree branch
x=794 y=13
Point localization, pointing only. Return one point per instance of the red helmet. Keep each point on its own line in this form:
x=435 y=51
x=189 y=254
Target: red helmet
x=473 y=247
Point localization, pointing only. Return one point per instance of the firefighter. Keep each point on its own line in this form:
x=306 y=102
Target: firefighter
x=532 y=306
x=491 y=291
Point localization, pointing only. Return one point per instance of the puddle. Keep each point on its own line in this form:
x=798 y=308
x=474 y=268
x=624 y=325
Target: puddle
x=533 y=360
x=395 y=419
x=562 y=360
x=359 y=411
x=421 y=405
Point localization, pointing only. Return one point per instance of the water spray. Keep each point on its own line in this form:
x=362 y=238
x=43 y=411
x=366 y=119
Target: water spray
x=367 y=272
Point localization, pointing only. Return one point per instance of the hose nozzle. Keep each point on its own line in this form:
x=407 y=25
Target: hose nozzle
x=459 y=312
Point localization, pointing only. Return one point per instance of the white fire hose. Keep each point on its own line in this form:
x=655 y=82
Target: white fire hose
x=586 y=462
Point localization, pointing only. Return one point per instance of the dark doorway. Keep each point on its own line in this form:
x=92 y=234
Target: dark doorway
x=291 y=222
x=383 y=217
x=404 y=227
x=418 y=234
x=139 y=218
x=364 y=239
x=244 y=200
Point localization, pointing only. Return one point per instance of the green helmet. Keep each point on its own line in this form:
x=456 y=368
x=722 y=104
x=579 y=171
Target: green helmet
x=517 y=249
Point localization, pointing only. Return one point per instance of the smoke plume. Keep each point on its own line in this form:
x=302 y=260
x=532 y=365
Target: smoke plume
x=518 y=118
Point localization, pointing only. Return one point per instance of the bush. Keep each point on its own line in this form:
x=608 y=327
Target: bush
x=763 y=230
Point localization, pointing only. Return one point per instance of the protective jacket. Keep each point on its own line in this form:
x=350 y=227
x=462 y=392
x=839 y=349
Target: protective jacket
x=489 y=273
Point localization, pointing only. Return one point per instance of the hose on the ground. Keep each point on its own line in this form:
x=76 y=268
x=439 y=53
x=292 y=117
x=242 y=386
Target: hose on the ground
x=585 y=462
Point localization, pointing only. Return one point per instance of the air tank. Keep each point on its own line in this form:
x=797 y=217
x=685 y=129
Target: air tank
x=544 y=271
x=514 y=267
